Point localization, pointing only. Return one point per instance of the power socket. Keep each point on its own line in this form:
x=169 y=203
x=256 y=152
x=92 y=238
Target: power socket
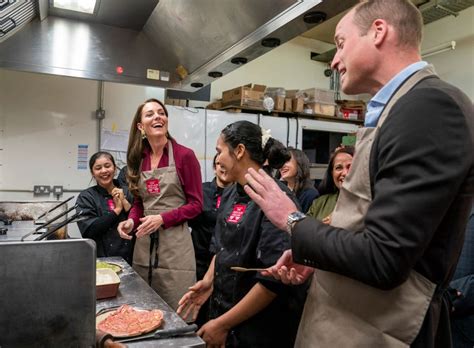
x=41 y=190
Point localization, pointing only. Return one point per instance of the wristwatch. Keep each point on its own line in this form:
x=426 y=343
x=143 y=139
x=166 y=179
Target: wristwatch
x=292 y=219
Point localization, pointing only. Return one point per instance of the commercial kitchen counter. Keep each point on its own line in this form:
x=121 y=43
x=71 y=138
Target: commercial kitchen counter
x=135 y=291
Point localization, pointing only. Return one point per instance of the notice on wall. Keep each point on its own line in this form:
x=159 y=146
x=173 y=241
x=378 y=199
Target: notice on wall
x=82 y=156
x=114 y=140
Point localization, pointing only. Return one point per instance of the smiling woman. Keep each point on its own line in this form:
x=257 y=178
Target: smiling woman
x=105 y=205
x=246 y=309
x=165 y=178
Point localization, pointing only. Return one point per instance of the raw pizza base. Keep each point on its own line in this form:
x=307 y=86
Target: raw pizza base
x=127 y=321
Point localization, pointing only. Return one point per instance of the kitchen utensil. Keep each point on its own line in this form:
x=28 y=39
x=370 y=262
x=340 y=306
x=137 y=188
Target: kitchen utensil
x=243 y=269
x=40 y=222
x=76 y=217
x=46 y=223
x=163 y=333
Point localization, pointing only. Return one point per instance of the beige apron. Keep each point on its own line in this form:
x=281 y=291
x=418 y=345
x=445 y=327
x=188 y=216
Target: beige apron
x=166 y=256
x=343 y=312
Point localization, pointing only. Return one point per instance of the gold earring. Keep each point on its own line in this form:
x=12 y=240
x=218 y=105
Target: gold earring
x=143 y=134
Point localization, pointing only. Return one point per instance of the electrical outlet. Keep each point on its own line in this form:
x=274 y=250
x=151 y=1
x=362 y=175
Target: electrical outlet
x=41 y=190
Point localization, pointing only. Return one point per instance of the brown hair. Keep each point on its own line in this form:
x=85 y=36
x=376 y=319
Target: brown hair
x=136 y=146
x=401 y=14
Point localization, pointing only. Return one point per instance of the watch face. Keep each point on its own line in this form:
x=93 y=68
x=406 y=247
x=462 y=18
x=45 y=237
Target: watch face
x=296 y=216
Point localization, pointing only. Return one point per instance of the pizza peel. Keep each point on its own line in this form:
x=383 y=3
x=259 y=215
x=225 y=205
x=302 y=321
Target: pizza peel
x=162 y=333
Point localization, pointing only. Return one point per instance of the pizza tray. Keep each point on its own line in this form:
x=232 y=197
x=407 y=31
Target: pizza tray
x=102 y=316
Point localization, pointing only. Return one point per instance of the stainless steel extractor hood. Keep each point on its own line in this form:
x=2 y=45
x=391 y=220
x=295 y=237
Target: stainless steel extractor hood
x=186 y=44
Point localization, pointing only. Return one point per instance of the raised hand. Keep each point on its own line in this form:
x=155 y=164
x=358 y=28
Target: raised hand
x=264 y=191
x=288 y=271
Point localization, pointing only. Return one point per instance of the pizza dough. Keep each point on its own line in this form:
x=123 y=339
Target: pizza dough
x=127 y=321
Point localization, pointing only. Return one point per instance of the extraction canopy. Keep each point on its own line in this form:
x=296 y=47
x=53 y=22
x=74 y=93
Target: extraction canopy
x=186 y=44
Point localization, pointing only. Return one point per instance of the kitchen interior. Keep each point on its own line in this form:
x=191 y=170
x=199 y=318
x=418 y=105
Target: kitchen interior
x=70 y=81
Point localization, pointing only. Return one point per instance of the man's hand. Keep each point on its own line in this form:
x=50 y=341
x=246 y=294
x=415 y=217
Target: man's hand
x=192 y=301
x=264 y=191
x=149 y=224
x=288 y=271
x=125 y=228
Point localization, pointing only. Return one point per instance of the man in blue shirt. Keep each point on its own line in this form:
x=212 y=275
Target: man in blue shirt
x=384 y=263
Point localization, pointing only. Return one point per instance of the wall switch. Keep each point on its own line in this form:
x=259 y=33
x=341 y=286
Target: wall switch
x=58 y=190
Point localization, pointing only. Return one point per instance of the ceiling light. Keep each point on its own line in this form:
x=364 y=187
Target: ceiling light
x=196 y=84
x=85 y=6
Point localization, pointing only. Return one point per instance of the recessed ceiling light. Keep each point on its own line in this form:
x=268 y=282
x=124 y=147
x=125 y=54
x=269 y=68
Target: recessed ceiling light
x=85 y=6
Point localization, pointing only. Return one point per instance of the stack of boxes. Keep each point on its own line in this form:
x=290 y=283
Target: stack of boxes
x=311 y=101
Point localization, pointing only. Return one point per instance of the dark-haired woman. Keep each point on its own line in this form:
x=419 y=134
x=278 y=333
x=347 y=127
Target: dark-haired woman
x=246 y=309
x=295 y=173
x=165 y=178
x=105 y=205
x=338 y=167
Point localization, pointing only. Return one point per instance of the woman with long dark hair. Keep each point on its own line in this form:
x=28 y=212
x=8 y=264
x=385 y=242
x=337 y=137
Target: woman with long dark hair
x=105 y=205
x=295 y=173
x=165 y=178
x=336 y=172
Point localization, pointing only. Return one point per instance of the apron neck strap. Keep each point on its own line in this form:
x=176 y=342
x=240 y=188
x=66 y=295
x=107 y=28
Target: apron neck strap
x=407 y=85
x=170 y=153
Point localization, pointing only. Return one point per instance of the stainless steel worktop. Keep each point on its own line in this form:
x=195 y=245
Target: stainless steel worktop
x=136 y=292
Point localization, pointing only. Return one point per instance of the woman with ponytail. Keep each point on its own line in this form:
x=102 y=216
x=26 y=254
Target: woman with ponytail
x=246 y=309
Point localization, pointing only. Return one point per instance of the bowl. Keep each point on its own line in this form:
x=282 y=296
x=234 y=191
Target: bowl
x=106 y=283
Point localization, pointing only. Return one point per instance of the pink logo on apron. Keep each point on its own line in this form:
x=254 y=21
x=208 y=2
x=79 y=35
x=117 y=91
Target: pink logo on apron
x=110 y=203
x=153 y=186
x=218 y=203
x=237 y=213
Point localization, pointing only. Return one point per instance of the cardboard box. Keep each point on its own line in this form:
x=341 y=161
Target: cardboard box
x=247 y=95
x=320 y=109
x=298 y=104
x=288 y=105
x=175 y=102
x=215 y=105
x=279 y=103
x=318 y=95
x=291 y=93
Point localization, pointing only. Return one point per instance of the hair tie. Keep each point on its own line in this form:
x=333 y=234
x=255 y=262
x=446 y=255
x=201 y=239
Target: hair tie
x=266 y=134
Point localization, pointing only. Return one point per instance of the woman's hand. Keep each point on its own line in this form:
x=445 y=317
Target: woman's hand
x=125 y=228
x=118 y=203
x=214 y=333
x=119 y=193
x=288 y=271
x=192 y=301
x=149 y=224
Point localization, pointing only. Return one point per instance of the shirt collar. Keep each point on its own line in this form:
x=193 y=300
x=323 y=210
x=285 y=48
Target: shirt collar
x=386 y=92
